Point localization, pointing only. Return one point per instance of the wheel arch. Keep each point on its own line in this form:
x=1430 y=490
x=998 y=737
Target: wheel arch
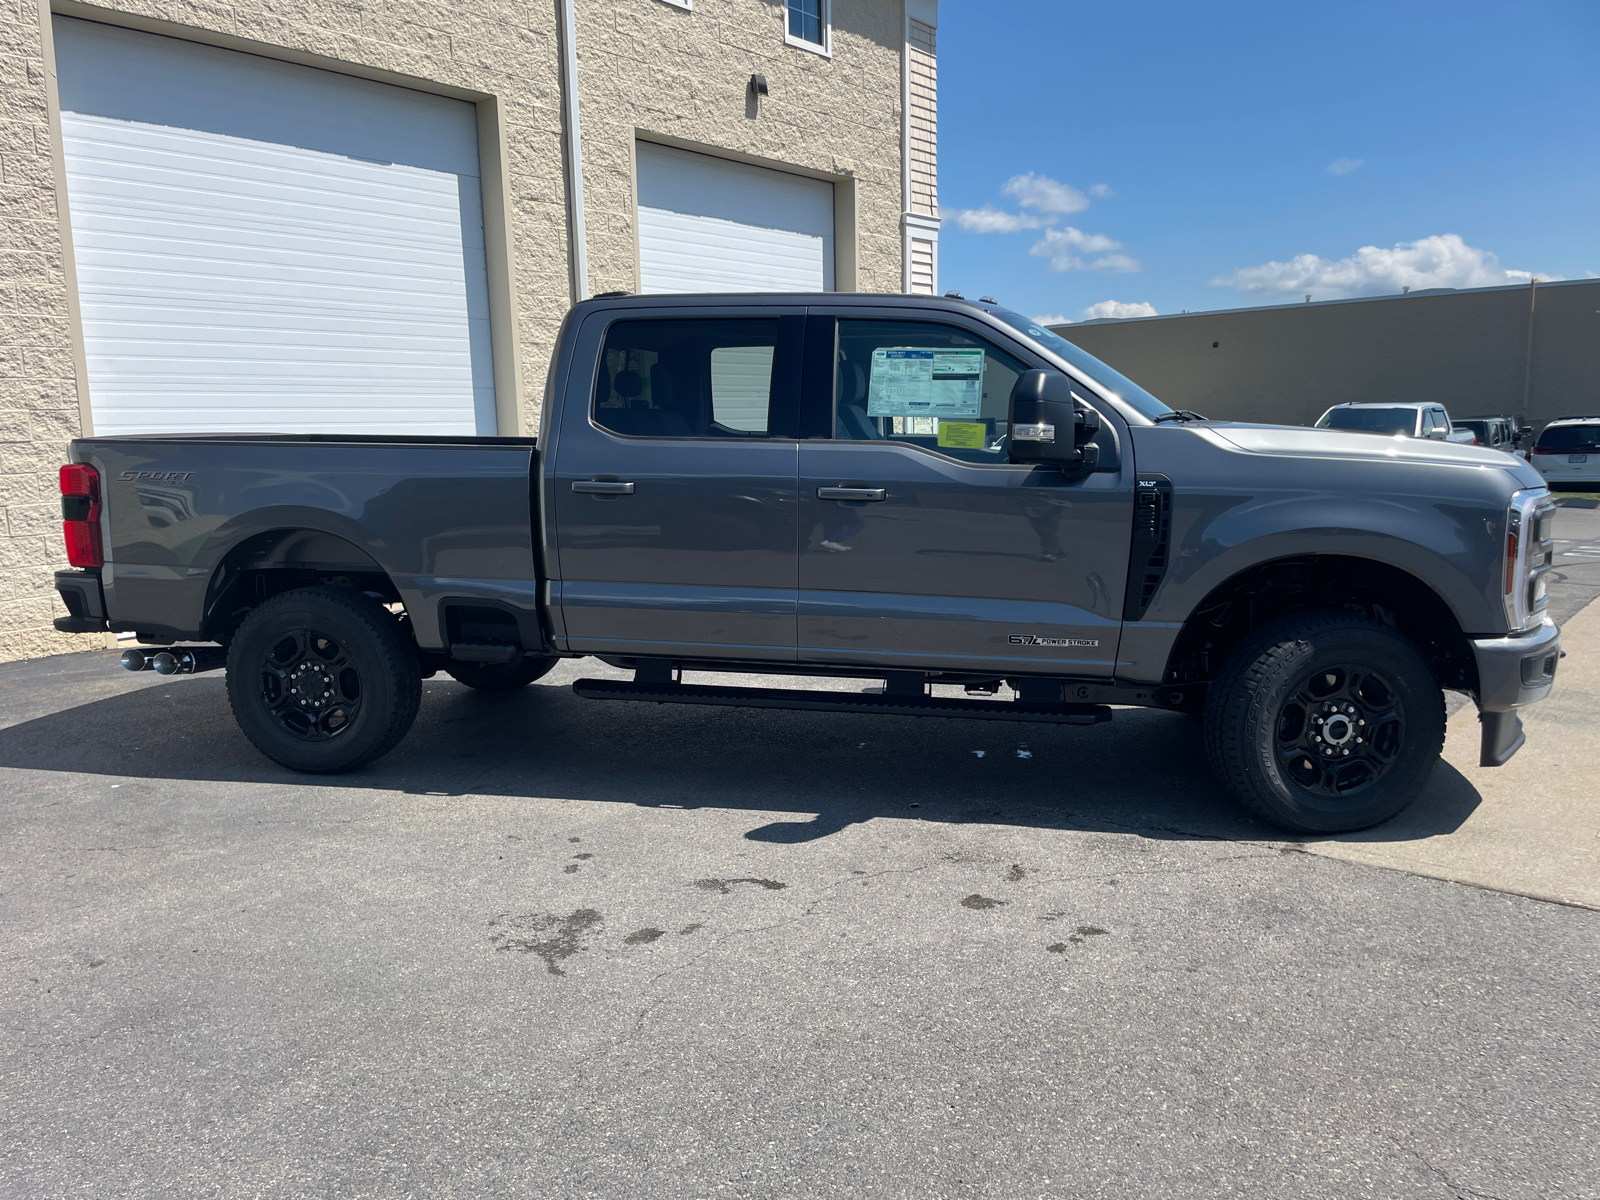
x=1372 y=588
x=261 y=563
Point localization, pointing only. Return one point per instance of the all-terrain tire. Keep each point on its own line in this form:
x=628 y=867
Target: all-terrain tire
x=500 y=677
x=349 y=671
x=1264 y=716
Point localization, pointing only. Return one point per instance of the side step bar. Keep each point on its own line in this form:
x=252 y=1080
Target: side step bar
x=873 y=702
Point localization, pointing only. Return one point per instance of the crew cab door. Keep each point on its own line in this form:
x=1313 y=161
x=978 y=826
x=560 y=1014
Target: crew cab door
x=921 y=545
x=674 y=488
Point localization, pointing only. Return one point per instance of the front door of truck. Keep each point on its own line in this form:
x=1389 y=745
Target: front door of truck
x=921 y=544
x=674 y=485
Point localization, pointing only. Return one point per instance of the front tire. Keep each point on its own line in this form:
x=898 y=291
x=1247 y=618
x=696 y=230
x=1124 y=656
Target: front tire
x=1325 y=723
x=323 y=679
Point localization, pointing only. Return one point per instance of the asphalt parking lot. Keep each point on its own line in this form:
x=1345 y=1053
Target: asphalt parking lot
x=560 y=948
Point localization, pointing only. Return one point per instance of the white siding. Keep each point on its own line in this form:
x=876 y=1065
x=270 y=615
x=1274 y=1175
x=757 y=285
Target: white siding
x=710 y=225
x=923 y=113
x=268 y=247
x=922 y=267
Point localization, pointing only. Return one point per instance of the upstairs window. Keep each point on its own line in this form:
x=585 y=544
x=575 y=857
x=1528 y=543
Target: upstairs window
x=807 y=25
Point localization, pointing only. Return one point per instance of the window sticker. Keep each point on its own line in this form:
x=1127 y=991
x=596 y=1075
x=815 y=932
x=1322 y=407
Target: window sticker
x=962 y=435
x=911 y=382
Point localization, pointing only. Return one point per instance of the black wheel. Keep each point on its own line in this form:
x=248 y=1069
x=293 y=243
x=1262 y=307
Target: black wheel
x=323 y=679
x=500 y=677
x=1324 y=723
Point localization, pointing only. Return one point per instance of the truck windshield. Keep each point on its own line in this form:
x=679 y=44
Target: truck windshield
x=1390 y=421
x=1113 y=381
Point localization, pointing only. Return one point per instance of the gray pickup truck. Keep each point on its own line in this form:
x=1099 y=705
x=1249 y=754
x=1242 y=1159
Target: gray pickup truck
x=937 y=495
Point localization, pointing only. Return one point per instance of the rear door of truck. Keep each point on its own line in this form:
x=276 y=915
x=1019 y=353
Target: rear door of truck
x=675 y=483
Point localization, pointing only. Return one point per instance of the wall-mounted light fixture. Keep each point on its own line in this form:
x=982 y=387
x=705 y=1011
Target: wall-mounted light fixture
x=758 y=84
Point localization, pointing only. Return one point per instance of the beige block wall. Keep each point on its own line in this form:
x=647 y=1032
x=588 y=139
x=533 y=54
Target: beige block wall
x=653 y=71
x=646 y=68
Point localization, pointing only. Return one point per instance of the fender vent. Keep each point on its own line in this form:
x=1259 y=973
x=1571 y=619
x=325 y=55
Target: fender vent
x=1152 y=539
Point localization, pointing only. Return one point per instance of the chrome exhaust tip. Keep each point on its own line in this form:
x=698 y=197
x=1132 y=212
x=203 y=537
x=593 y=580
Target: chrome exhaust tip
x=176 y=660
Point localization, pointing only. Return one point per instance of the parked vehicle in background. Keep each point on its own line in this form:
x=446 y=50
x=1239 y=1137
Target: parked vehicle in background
x=1395 y=420
x=924 y=492
x=1568 y=451
x=1497 y=433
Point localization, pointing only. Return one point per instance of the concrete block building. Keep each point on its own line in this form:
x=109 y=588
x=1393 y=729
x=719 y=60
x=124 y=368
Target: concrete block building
x=369 y=216
x=1528 y=351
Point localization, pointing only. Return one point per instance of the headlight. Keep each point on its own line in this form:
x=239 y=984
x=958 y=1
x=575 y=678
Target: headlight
x=1529 y=554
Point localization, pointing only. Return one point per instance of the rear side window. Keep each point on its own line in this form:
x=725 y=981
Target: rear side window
x=1561 y=439
x=687 y=378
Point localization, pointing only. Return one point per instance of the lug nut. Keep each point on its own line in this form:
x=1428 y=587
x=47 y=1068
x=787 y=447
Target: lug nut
x=1358 y=741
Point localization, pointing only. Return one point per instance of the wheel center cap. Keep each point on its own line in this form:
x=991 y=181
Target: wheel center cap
x=1338 y=729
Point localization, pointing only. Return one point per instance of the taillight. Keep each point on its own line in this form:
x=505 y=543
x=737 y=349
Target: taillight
x=80 y=515
x=1543 y=450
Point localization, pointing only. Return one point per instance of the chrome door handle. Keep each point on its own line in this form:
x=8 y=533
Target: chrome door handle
x=602 y=487
x=851 y=493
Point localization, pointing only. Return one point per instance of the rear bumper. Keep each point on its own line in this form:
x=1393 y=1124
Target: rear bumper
x=1512 y=672
x=86 y=603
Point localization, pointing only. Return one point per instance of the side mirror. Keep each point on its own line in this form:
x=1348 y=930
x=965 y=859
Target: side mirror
x=1524 y=431
x=1437 y=433
x=1048 y=425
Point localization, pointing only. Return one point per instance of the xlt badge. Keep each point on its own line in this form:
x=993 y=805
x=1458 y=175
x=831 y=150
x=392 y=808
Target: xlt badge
x=1032 y=639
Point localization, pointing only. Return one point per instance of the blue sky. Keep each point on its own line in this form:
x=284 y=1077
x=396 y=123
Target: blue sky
x=1184 y=156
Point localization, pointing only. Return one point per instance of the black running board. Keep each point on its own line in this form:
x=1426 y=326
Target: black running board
x=867 y=702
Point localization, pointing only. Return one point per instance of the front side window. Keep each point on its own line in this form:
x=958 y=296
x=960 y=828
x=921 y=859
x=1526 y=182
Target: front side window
x=930 y=385
x=808 y=22
x=687 y=378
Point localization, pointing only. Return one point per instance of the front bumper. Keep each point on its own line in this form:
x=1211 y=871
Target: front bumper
x=1512 y=671
x=86 y=603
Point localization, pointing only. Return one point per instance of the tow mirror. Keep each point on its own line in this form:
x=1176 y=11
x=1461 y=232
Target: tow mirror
x=1048 y=424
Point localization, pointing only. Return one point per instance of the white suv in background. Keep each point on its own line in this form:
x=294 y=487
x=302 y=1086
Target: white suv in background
x=1395 y=420
x=1568 y=451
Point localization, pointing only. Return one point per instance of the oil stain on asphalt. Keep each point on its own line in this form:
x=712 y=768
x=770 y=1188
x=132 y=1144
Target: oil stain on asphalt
x=724 y=886
x=562 y=940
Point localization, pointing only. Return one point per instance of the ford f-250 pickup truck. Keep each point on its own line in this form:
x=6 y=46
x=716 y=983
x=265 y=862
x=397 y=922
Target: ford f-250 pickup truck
x=912 y=490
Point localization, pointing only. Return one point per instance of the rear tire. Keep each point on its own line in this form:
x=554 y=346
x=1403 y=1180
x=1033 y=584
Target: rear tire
x=1325 y=723
x=500 y=677
x=323 y=679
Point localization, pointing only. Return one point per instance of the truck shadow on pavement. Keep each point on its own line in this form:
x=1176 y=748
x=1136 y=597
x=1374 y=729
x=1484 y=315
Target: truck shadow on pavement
x=813 y=774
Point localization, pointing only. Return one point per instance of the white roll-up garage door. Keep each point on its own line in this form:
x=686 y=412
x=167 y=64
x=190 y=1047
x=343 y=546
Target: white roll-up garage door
x=269 y=247
x=710 y=225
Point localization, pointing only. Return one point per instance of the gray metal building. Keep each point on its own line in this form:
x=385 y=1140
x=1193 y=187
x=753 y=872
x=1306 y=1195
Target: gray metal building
x=1531 y=352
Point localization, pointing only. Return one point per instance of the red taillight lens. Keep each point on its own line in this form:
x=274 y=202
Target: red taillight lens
x=80 y=512
x=1543 y=450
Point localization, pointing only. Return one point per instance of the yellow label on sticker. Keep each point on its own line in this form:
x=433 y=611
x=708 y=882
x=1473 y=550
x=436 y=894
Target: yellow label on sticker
x=962 y=435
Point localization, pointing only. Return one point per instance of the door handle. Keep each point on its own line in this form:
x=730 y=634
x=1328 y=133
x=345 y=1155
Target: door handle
x=602 y=487
x=851 y=493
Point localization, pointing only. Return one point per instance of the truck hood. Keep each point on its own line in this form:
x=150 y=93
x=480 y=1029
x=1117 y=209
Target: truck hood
x=1297 y=441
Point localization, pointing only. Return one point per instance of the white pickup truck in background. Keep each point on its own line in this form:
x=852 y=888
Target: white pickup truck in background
x=1396 y=420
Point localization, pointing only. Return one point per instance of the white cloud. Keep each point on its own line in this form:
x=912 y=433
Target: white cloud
x=1119 y=309
x=1067 y=250
x=989 y=219
x=1056 y=319
x=1101 y=191
x=1443 y=260
x=1345 y=166
x=1045 y=194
